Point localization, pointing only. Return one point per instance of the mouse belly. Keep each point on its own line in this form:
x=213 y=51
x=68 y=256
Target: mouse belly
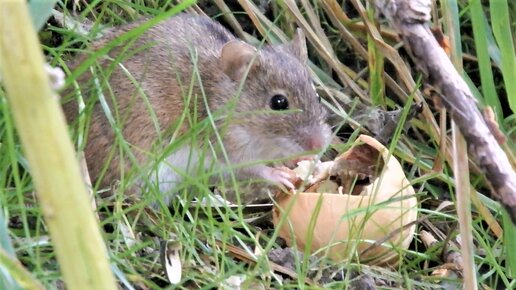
x=176 y=169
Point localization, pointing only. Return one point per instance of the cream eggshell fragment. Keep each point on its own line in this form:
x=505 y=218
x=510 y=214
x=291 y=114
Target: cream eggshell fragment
x=346 y=225
x=313 y=171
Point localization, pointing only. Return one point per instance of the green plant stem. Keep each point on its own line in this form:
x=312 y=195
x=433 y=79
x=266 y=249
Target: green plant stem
x=41 y=125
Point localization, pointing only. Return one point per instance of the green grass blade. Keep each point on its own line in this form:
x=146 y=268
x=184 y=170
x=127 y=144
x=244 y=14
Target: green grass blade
x=494 y=51
x=40 y=11
x=502 y=32
x=6 y=279
x=17 y=272
x=13 y=274
x=130 y=35
x=509 y=236
x=480 y=31
x=376 y=68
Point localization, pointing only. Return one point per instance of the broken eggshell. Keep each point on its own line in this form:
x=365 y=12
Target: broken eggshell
x=372 y=224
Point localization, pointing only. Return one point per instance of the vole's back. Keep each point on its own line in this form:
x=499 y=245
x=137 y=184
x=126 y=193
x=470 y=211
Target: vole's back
x=159 y=64
x=190 y=31
x=275 y=110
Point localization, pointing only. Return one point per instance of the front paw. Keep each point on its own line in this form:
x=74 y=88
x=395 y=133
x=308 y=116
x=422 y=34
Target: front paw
x=280 y=175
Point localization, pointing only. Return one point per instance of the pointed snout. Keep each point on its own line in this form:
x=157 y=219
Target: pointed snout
x=317 y=138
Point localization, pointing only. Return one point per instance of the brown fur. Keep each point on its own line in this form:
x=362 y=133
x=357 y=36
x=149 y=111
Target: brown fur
x=167 y=62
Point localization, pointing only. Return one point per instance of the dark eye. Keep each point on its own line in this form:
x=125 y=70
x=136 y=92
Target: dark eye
x=279 y=102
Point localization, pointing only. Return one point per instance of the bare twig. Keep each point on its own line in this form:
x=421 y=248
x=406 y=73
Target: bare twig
x=410 y=19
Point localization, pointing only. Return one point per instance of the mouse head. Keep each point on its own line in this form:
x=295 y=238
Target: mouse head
x=281 y=113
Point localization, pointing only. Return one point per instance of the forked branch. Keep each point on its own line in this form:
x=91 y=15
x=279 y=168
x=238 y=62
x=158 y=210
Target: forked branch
x=410 y=19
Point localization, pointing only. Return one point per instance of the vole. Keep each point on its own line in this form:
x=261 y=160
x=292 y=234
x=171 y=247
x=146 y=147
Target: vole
x=273 y=110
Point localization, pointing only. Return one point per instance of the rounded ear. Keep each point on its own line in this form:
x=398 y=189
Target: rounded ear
x=235 y=58
x=298 y=46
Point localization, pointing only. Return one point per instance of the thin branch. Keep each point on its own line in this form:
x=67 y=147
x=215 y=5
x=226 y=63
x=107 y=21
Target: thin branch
x=410 y=19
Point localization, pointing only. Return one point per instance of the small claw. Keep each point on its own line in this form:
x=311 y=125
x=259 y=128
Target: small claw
x=284 y=179
x=281 y=176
